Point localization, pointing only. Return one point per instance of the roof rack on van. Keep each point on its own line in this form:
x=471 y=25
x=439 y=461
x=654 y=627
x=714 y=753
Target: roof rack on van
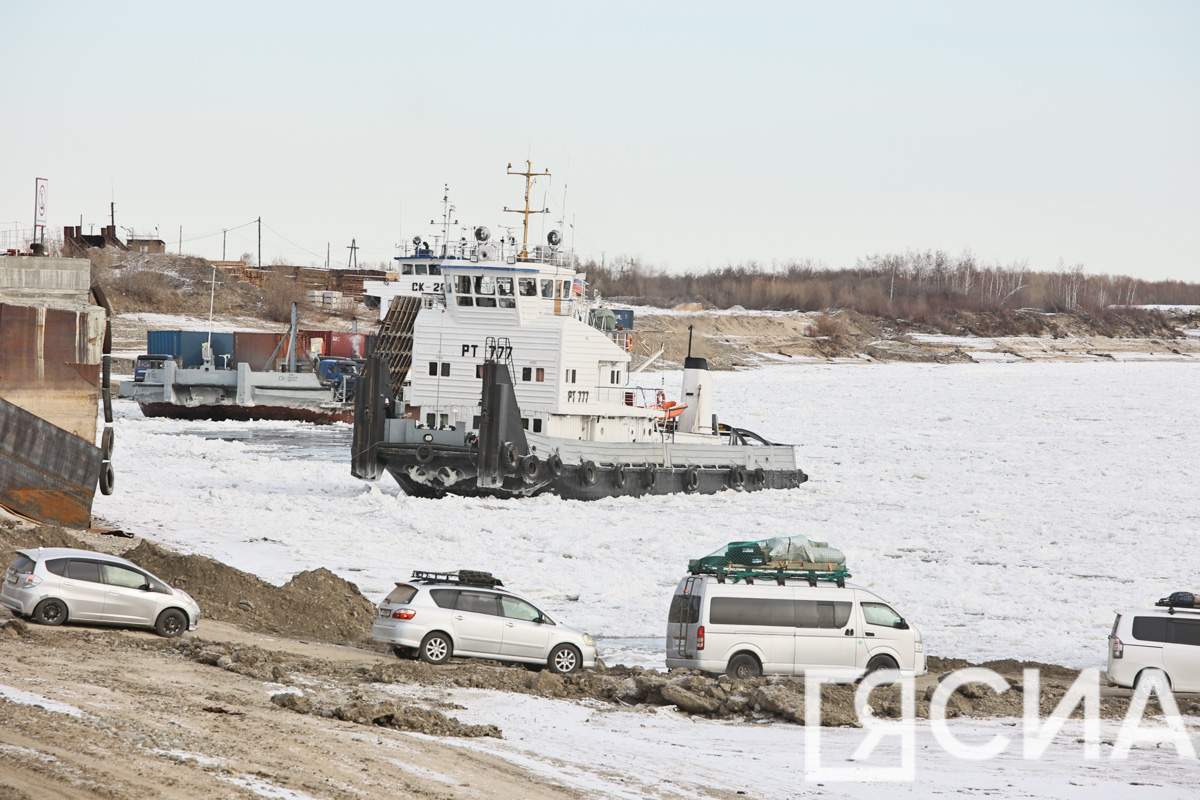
x=470 y=577
x=735 y=573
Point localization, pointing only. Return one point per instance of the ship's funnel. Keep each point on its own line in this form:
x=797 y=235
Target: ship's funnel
x=697 y=393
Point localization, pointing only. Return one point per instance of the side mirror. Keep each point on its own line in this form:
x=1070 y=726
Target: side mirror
x=145 y=587
x=902 y=624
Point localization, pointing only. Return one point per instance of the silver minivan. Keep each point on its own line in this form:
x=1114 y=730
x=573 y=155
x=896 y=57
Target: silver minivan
x=55 y=584
x=768 y=628
x=1156 y=646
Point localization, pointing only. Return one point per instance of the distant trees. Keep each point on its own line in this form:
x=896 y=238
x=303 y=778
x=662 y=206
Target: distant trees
x=916 y=285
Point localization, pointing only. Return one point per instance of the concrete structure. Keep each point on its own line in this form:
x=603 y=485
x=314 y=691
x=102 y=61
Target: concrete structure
x=143 y=245
x=77 y=243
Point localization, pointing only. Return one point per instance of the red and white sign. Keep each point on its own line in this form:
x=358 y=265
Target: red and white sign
x=39 y=209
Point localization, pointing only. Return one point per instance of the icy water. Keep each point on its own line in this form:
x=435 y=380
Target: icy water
x=1005 y=509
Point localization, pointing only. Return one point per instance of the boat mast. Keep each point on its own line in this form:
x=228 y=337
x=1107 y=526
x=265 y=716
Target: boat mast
x=530 y=175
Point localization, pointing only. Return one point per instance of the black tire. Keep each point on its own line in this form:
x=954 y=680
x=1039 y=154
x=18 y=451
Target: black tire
x=509 y=458
x=171 y=623
x=106 y=377
x=108 y=478
x=50 y=611
x=691 y=478
x=651 y=476
x=743 y=666
x=587 y=473
x=564 y=659
x=737 y=476
x=531 y=466
x=619 y=476
x=760 y=476
x=1152 y=677
x=436 y=648
x=424 y=453
x=554 y=465
x=883 y=664
x=106 y=443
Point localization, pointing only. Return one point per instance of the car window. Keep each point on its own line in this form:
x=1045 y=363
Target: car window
x=22 y=566
x=158 y=586
x=403 y=593
x=752 y=611
x=123 y=576
x=685 y=608
x=79 y=570
x=879 y=614
x=478 y=603
x=1150 y=629
x=822 y=614
x=444 y=597
x=513 y=608
x=57 y=566
x=1184 y=631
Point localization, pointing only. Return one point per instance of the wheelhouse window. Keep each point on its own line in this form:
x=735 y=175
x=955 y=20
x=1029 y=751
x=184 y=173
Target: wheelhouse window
x=548 y=289
x=485 y=284
x=527 y=287
x=434 y=269
x=406 y=269
x=462 y=284
x=504 y=288
x=422 y=269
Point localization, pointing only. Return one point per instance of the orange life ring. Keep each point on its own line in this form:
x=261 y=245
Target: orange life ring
x=660 y=397
x=629 y=343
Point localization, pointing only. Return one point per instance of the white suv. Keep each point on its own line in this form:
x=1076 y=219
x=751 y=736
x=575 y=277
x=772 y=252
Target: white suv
x=1157 y=646
x=439 y=614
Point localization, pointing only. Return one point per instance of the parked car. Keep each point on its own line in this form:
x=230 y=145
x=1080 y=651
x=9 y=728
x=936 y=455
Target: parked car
x=765 y=628
x=142 y=364
x=1157 y=646
x=54 y=585
x=436 y=615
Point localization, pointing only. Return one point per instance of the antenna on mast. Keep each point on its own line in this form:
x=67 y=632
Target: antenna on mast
x=530 y=177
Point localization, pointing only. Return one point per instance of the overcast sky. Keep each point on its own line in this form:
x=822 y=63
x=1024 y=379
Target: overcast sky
x=683 y=134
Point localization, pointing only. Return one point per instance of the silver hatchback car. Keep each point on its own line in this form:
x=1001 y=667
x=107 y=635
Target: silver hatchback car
x=55 y=584
x=439 y=614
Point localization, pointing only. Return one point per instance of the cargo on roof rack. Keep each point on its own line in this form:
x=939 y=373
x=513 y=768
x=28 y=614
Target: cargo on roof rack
x=775 y=559
x=470 y=577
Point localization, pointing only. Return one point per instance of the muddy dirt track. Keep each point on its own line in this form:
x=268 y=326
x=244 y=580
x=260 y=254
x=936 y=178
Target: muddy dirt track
x=284 y=692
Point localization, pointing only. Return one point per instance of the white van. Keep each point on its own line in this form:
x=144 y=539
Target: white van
x=765 y=628
x=1158 y=646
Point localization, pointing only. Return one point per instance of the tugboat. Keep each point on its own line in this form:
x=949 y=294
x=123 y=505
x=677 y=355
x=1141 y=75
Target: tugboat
x=510 y=382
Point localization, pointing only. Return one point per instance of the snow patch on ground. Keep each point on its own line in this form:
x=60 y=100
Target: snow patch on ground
x=25 y=698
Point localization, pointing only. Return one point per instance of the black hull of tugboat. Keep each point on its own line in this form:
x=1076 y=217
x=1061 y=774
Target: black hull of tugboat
x=586 y=481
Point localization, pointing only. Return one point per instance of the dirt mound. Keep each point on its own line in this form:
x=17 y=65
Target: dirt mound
x=316 y=604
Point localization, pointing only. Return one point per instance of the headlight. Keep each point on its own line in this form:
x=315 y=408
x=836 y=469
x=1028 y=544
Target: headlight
x=588 y=640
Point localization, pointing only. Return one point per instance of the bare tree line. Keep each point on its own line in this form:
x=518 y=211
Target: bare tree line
x=914 y=285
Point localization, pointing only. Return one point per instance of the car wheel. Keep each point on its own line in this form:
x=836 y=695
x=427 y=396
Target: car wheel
x=1154 y=680
x=885 y=665
x=50 y=612
x=564 y=659
x=436 y=648
x=171 y=623
x=743 y=666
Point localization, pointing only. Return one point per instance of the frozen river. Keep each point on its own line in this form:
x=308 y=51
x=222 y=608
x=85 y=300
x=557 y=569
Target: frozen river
x=1005 y=509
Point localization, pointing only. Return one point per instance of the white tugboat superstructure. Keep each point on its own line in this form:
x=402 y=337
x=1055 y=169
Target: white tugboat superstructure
x=519 y=384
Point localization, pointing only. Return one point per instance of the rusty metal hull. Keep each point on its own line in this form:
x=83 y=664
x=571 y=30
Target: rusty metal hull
x=46 y=472
x=235 y=412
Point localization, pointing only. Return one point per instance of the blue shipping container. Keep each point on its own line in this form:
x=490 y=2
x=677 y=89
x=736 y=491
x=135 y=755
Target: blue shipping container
x=624 y=318
x=186 y=346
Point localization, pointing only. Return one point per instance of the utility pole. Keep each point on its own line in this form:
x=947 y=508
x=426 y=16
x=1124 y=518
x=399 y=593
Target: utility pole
x=223 y=232
x=180 y=240
x=353 y=248
x=260 y=242
x=327 y=255
x=112 y=216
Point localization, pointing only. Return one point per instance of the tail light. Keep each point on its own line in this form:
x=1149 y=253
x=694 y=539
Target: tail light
x=31 y=581
x=700 y=638
x=404 y=613
x=1118 y=648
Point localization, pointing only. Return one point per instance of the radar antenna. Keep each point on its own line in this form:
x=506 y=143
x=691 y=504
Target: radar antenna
x=530 y=177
